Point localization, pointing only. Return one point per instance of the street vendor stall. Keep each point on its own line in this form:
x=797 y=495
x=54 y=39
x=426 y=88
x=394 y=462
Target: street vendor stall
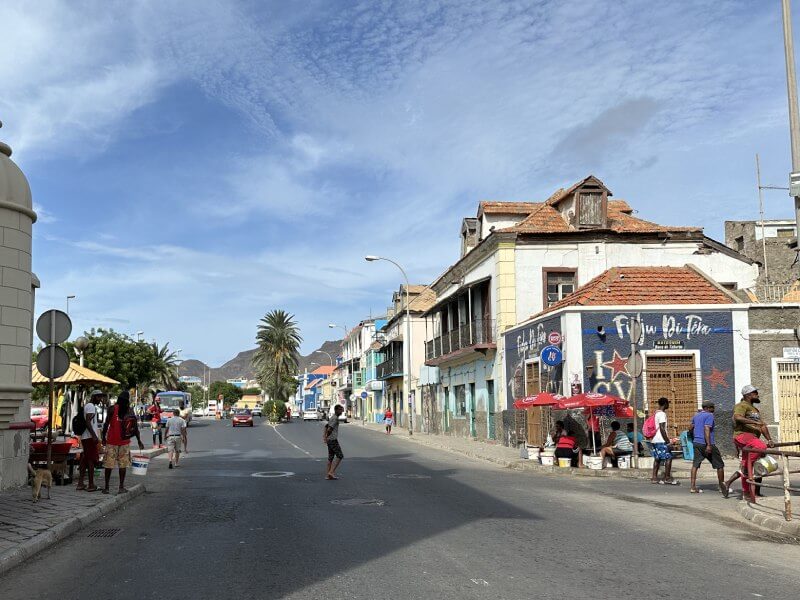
x=73 y=386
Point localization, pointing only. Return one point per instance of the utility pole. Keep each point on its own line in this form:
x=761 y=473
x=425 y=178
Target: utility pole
x=794 y=117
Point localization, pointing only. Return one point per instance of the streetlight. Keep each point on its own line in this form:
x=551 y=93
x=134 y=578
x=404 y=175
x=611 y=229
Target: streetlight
x=70 y=297
x=344 y=339
x=407 y=367
x=139 y=336
x=178 y=365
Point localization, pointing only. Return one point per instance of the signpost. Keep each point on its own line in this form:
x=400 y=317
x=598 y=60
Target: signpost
x=554 y=338
x=635 y=366
x=52 y=327
x=552 y=356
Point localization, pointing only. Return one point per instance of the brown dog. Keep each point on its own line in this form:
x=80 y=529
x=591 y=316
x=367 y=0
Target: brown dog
x=41 y=478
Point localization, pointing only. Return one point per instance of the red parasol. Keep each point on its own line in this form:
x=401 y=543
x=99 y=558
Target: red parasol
x=590 y=400
x=540 y=399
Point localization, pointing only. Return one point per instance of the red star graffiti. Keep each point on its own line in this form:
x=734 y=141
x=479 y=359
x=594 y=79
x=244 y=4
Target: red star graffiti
x=617 y=365
x=717 y=377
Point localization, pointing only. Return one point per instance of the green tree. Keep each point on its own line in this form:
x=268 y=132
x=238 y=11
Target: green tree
x=275 y=410
x=251 y=392
x=275 y=361
x=229 y=392
x=165 y=371
x=198 y=396
x=118 y=356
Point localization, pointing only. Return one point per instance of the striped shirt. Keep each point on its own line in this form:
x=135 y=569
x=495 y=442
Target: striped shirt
x=621 y=442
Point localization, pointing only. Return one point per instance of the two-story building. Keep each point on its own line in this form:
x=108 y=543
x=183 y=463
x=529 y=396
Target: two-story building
x=391 y=368
x=518 y=258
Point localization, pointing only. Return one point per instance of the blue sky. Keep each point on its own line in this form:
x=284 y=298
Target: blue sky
x=196 y=164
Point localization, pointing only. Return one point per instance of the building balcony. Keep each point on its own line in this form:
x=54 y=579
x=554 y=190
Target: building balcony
x=776 y=292
x=477 y=336
x=391 y=367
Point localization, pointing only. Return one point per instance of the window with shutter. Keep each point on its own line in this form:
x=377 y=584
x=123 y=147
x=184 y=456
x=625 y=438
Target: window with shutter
x=590 y=209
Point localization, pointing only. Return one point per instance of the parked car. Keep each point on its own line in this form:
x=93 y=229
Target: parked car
x=199 y=412
x=311 y=414
x=257 y=411
x=39 y=416
x=242 y=416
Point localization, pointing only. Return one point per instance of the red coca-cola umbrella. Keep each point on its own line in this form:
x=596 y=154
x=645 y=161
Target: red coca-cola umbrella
x=540 y=399
x=590 y=400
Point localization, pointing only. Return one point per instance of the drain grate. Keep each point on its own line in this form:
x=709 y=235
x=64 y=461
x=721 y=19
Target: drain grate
x=104 y=533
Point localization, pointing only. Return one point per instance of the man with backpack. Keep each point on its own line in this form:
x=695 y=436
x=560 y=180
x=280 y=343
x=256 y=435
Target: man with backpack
x=85 y=425
x=655 y=429
x=119 y=428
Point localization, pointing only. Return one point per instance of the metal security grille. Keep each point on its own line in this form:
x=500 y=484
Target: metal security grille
x=104 y=533
x=674 y=378
x=789 y=401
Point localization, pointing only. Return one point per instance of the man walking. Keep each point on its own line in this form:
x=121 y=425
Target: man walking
x=331 y=438
x=116 y=439
x=176 y=433
x=90 y=442
x=705 y=448
x=747 y=431
x=660 y=441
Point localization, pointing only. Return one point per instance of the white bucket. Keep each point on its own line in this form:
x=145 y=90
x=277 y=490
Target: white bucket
x=547 y=459
x=765 y=465
x=533 y=453
x=624 y=462
x=139 y=465
x=594 y=462
x=564 y=463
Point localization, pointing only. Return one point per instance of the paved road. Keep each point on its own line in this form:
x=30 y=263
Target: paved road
x=405 y=521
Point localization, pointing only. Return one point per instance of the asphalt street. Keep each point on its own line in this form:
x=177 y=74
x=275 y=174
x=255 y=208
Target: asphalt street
x=249 y=515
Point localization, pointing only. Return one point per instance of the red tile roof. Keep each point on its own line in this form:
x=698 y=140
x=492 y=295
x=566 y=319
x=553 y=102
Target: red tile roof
x=647 y=285
x=505 y=208
x=324 y=370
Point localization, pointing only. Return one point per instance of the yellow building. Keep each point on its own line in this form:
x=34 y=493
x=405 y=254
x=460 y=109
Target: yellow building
x=248 y=401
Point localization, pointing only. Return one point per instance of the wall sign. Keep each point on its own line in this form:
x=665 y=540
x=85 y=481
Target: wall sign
x=670 y=345
x=791 y=353
x=551 y=356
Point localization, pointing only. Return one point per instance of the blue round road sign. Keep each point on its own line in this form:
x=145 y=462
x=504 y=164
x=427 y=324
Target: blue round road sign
x=551 y=356
x=364 y=394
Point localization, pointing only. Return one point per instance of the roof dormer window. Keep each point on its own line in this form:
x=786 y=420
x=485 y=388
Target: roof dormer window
x=591 y=207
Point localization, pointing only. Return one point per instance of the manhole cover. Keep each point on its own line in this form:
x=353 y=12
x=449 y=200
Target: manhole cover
x=104 y=533
x=359 y=502
x=272 y=474
x=407 y=476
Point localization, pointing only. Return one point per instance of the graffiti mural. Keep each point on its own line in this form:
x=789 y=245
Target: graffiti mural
x=606 y=346
x=524 y=343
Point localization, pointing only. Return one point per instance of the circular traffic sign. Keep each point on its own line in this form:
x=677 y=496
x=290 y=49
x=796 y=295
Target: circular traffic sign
x=554 y=338
x=635 y=364
x=60 y=360
x=53 y=326
x=552 y=356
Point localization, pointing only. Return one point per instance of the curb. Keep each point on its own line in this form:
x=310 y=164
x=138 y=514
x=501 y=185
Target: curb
x=778 y=525
x=527 y=465
x=63 y=530
x=151 y=452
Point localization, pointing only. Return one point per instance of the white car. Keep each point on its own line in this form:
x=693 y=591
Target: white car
x=198 y=412
x=311 y=415
x=257 y=411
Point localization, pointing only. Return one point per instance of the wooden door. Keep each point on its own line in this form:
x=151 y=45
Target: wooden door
x=535 y=422
x=674 y=378
x=789 y=401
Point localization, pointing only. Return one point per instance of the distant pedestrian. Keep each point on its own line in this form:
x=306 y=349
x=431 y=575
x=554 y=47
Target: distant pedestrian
x=388 y=420
x=331 y=438
x=90 y=442
x=176 y=433
x=155 y=422
x=705 y=447
x=660 y=442
x=119 y=427
x=747 y=431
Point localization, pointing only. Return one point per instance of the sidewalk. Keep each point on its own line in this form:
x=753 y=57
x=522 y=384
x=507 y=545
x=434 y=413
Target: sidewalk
x=27 y=527
x=767 y=515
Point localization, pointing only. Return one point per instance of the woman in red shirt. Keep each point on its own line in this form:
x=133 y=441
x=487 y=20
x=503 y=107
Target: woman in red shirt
x=567 y=446
x=388 y=419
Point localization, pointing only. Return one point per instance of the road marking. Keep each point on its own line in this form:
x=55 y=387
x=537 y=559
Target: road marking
x=480 y=582
x=272 y=474
x=289 y=442
x=359 y=502
x=407 y=476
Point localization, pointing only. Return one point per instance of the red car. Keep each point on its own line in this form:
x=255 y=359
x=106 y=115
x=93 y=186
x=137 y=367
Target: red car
x=242 y=416
x=39 y=416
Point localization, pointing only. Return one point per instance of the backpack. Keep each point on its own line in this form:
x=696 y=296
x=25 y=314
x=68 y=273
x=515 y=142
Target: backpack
x=128 y=425
x=79 y=422
x=649 y=428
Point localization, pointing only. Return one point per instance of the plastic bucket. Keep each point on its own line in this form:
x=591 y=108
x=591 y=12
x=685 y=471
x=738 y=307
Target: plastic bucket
x=765 y=465
x=139 y=465
x=594 y=462
x=533 y=452
x=624 y=462
x=547 y=459
x=564 y=463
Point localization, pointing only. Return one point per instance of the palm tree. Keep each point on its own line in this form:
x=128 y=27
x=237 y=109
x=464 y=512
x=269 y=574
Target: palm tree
x=275 y=361
x=165 y=373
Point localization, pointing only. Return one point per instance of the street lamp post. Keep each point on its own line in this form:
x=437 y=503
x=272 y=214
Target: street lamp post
x=794 y=116
x=407 y=367
x=70 y=297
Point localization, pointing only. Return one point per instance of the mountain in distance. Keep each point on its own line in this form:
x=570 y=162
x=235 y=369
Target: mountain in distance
x=241 y=365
